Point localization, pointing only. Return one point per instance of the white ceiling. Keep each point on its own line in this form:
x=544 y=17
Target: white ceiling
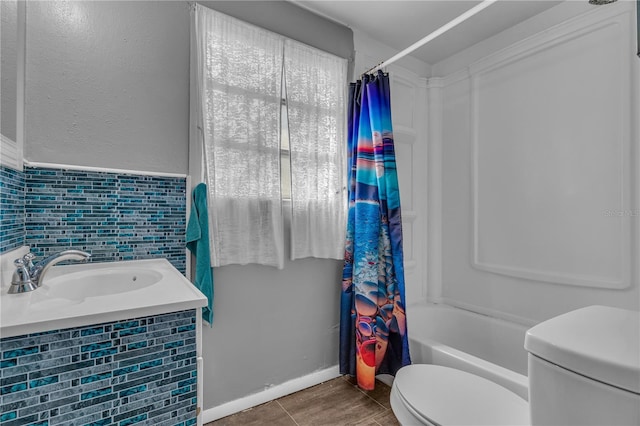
x=400 y=23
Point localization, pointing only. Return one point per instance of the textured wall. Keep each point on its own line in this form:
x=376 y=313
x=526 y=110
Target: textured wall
x=12 y=228
x=140 y=371
x=107 y=84
x=291 y=21
x=112 y=216
x=8 y=68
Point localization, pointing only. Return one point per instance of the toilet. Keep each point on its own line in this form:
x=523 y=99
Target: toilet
x=428 y=394
x=584 y=369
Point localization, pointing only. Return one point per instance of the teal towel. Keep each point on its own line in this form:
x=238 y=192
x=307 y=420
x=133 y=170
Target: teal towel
x=198 y=244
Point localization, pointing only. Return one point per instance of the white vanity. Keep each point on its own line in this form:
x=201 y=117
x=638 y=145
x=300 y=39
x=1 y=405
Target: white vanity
x=102 y=343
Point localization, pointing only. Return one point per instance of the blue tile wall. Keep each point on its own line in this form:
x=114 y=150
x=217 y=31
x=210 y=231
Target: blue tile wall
x=12 y=227
x=112 y=216
x=140 y=371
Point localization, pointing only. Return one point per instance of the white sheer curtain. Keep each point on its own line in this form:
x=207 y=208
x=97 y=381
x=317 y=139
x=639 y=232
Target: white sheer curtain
x=239 y=82
x=316 y=98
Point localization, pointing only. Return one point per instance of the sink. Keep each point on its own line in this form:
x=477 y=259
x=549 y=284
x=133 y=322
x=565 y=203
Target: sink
x=92 y=293
x=77 y=286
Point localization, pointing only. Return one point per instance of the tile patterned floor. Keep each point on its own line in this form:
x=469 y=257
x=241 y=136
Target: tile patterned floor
x=337 y=402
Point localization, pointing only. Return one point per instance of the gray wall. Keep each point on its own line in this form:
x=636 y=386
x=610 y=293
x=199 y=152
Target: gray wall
x=291 y=21
x=108 y=86
x=270 y=326
x=8 y=68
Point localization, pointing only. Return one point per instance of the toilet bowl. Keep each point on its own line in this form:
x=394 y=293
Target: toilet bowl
x=426 y=394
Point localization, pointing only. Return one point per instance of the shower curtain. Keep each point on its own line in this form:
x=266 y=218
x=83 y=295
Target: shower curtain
x=373 y=331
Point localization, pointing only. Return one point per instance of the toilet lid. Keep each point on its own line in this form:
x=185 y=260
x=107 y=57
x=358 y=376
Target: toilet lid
x=446 y=396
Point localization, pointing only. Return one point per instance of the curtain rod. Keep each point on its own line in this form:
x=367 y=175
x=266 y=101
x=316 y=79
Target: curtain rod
x=443 y=29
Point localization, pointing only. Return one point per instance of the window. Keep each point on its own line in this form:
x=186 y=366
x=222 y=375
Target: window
x=316 y=84
x=285 y=151
x=272 y=115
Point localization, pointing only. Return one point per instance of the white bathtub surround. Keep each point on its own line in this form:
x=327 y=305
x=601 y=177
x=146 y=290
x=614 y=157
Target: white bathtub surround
x=63 y=301
x=541 y=186
x=488 y=347
x=536 y=211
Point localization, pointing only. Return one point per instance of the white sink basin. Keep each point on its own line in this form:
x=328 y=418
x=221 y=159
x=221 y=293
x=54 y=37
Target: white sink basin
x=77 y=286
x=82 y=294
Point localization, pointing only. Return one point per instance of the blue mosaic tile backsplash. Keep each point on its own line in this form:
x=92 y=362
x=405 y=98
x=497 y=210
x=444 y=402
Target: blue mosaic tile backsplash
x=112 y=216
x=12 y=226
x=140 y=371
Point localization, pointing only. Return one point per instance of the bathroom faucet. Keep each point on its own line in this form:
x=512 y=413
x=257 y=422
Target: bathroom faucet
x=28 y=277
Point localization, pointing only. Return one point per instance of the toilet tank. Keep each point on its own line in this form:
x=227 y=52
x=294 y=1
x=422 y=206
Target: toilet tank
x=584 y=368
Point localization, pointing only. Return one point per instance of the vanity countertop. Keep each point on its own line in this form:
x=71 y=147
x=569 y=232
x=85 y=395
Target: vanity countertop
x=84 y=294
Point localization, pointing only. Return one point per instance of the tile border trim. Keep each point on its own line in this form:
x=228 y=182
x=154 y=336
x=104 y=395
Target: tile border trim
x=101 y=169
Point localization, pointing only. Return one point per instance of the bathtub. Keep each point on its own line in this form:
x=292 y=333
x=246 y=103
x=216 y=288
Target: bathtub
x=481 y=345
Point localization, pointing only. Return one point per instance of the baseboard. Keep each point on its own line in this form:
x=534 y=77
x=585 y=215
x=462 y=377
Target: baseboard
x=269 y=394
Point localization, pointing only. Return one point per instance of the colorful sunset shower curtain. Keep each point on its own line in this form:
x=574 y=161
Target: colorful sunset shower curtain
x=373 y=331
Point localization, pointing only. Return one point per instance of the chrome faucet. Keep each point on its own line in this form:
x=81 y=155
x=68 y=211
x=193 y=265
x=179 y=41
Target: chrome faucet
x=28 y=277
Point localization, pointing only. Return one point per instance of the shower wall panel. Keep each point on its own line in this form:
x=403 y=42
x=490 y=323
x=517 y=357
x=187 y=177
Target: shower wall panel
x=539 y=193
